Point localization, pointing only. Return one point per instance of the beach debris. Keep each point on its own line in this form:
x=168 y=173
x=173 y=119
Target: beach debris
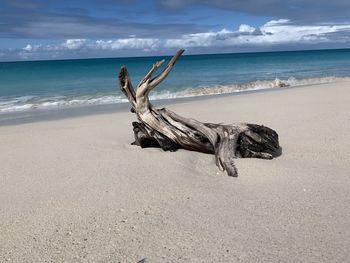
x=169 y=131
x=281 y=84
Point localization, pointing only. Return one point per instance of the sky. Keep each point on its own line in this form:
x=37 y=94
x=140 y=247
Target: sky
x=68 y=29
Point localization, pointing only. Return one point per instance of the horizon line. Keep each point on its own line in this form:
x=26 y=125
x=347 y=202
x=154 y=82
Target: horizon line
x=155 y=56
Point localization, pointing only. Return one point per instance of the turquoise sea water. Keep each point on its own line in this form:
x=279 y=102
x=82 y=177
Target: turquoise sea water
x=31 y=85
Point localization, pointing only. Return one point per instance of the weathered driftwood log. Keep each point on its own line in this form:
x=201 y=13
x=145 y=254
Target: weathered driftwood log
x=169 y=131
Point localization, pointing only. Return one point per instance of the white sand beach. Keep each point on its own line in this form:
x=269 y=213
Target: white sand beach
x=75 y=190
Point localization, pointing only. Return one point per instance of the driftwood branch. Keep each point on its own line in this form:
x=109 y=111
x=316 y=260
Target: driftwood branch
x=164 y=128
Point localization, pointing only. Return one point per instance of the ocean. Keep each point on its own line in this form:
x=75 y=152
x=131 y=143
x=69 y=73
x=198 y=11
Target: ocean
x=55 y=84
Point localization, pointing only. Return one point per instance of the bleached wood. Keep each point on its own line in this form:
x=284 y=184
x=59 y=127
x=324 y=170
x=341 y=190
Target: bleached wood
x=164 y=128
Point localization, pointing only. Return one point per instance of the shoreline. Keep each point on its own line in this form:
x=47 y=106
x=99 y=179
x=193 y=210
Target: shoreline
x=51 y=114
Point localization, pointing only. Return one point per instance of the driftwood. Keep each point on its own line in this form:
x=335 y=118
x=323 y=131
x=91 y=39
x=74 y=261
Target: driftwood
x=169 y=131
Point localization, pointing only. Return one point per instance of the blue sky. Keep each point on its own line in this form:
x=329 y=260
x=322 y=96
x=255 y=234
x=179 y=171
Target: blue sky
x=39 y=29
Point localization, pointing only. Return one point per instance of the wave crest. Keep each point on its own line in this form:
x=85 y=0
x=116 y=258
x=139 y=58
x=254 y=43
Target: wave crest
x=26 y=103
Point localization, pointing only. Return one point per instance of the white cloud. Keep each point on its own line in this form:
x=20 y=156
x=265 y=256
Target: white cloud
x=28 y=48
x=282 y=31
x=144 y=44
x=275 y=32
x=272 y=33
x=277 y=22
x=31 y=48
x=195 y=40
x=73 y=44
x=246 y=28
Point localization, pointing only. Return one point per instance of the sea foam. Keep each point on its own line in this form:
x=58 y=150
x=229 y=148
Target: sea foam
x=26 y=103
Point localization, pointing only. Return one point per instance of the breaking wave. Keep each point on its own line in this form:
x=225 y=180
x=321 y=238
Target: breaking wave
x=25 y=103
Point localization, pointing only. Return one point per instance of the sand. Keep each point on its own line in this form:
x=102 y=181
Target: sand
x=75 y=190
